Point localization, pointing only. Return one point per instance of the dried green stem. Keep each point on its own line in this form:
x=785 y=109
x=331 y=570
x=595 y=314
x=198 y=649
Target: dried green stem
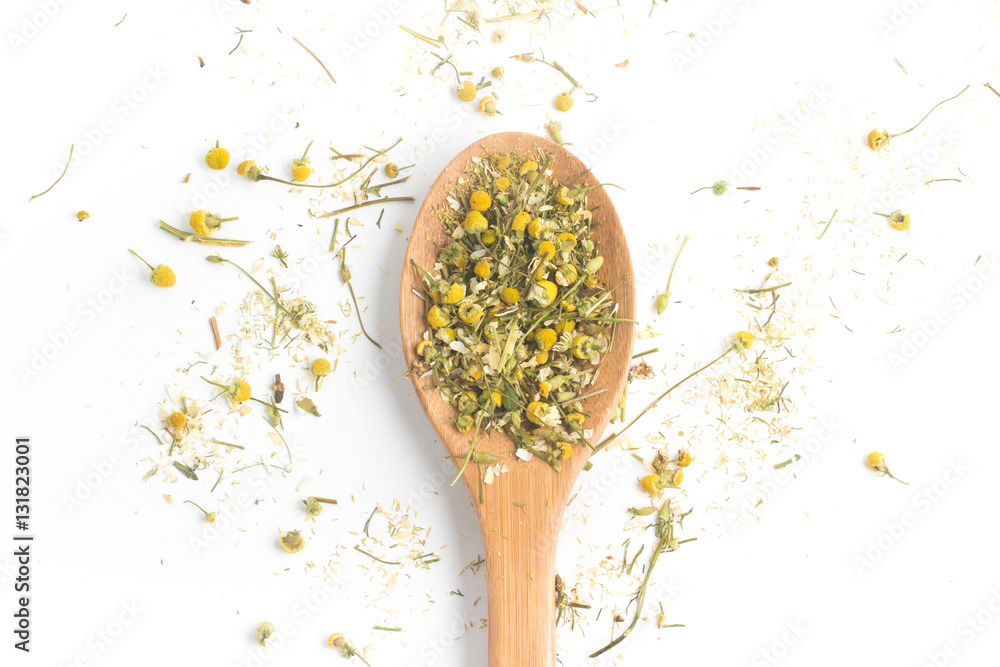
x=893 y=136
x=65 y=169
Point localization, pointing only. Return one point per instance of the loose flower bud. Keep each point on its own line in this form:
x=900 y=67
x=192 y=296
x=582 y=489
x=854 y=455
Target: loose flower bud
x=217 y=158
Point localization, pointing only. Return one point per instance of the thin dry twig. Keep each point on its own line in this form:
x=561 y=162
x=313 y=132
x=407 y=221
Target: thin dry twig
x=65 y=169
x=309 y=51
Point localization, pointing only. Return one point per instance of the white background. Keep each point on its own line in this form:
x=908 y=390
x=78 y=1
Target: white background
x=662 y=127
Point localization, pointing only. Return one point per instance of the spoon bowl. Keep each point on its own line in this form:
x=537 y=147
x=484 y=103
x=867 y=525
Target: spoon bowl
x=521 y=515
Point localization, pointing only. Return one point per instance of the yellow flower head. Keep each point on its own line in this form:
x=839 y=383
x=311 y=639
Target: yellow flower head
x=545 y=339
x=566 y=275
x=489 y=237
x=469 y=312
x=546 y=250
x=683 y=459
x=483 y=268
x=467 y=92
x=292 y=542
x=488 y=105
x=301 y=171
x=536 y=411
x=651 y=484
x=475 y=223
x=521 y=221
x=876 y=461
x=177 y=420
x=337 y=641
x=583 y=347
x=479 y=201
x=197 y=222
x=320 y=367
x=501 y=162
x=544 y=388
x=551 y=291
x=82 y=215
x=248 y=169
x=564 y=102
x=576 y=421
x=240 y=391
x=529 y=165
x=510 y=295
x=742 y=340
x=436 y=317
x=563 y=196
x=678 y=477
x=899 y=221
x=163 y=276
x=503 y=183
x=535 y=228
x=563 y=326
x=497 y=72
x=454 y=294
x=464 y=423
x=424 y=348
x=217 y=158
x=567 y=240
x=877 y=140
x=391 y=170
x=562 y=450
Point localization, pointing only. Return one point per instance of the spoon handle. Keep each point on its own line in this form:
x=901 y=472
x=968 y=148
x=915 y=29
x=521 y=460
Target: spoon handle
x=521 y=522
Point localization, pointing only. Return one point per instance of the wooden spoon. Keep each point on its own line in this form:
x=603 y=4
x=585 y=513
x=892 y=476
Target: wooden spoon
x=522 y=513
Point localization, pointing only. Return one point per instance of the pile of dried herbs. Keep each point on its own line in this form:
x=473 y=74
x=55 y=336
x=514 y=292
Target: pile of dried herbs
x=517 y=318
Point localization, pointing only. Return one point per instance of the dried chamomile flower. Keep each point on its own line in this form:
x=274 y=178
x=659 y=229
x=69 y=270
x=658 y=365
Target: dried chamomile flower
x=249 y=169
x=564 y=102
x=488 y=105
x=338 y=642
x=161 y=275
x=238 y=391
x=82 y=215
x=742 y=340
x=177 y=420
x=209 y=516
x=313 y=507
x=683 y=459
x=391 y=170
x=510 y=295
x=468 y=91
x=876 y=462
x=498 y=36
x=300 y=167
x=204 y=223
x=475 y=223
x=497 y=72
x=878 y=139
x=320 y=367
x=773 y=262
x=479 y=201
x=217 y=158
x=719 y=188
x=651 y=484
x=292 y=542
x=263 y=632
x=897 y=220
